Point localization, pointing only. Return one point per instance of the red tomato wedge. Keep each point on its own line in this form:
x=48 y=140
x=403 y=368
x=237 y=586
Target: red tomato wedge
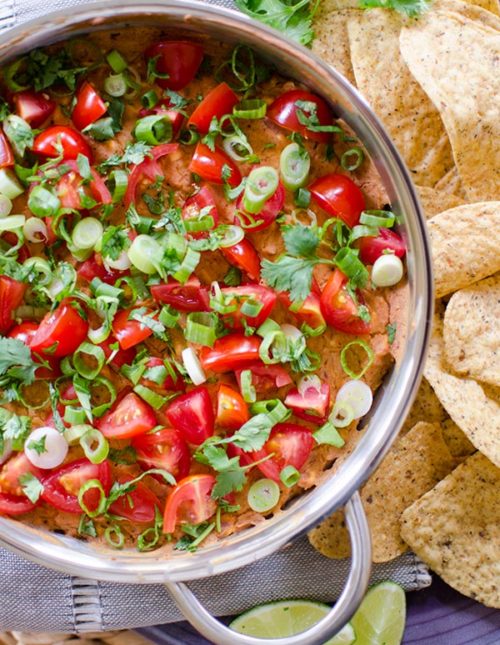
x=211 y=164
x=16 y=467
x=340 y=197
x=91 y=269
x=309 y=311
x=267 y=215
x=231 y=352
x=34 y=107
x=14 y=504
x=190 y=296
x=71 y=141
x=61 y=487
x=165 y=380
x=61 y=332
x=232 y=411
x=26 y=332
x=129 y=332
x=138 y=505
x=89 y=106
x=192 y=414
x=165 y=449
x=121 y=357
x=266 y=377
x=203 y=200
x=190 y=502
x=244 y=256
x=371 y=248
x=129 y=417
x=11 y=296
x=338 y=308
x=283 y=112
x=179 y=59
x=290 y=444
x=148 y=169
x=6 y=154
x=312 y=404
x=238 y=296
x=70 y=185
x=217 y=103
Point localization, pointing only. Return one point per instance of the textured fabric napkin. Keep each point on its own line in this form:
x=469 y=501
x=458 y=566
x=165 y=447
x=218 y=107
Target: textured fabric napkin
x=37 y=599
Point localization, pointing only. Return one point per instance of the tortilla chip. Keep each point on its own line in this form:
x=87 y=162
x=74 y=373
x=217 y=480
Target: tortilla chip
x=414 y=465
x=426 y=407
x=409 y=116
x=464 y=245
x=489 y=5
x=475 y=408
x=471 y=331
x=451 y=184
x=455 y=529
x=479 y=10
x=331 y=43
x=458 y=444
x=435 y=201
x=455 y=60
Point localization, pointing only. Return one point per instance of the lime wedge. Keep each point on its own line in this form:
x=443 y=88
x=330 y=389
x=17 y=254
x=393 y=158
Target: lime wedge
x=287 y=618
x=380 y=619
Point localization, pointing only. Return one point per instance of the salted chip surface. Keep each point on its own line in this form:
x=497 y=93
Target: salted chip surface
x=331 y=43
x=406 y=111
x=455 y=60
x=414 y=465
x=464 y=244
x=458 y=444
x=426 y=407
x=435 y=201
x=455 y=529
x=474 y=407
x=472 y=331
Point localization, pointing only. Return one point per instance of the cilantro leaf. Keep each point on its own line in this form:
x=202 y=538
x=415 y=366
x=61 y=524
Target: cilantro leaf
x=124 y=456
x=290 y=274
x=229 y=480
x=19 y=133
x=233 y=277
x=14 y=428
x=86 y=526
x=391 y=333
x=42 y=70
x=114 y=241
x=32 y=487
x=195 y=534
x=17 y=367
x=149 y=321
x=411 y=8
x=134 y=153
x=301 y=241
x=254 y=433
x=38 y=446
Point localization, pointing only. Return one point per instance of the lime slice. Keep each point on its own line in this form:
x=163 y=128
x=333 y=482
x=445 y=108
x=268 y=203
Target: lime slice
x=287 y=618
x=380 y=619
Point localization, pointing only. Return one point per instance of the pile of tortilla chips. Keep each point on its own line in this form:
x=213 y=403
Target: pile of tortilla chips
x=434 y=82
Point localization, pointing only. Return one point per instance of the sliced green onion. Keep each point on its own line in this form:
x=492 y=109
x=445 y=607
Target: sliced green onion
x=268 y=326
x=250 y=109
x=358 y=395
x=114 y=536
x=169 y=316
x=94 y=453
x=116 y=61
x=273 y=346
x=90 y=485
x=154 y=129
x=342 y=414
x=238 y=148
x=328 y=434
x=154 y=399
x=145 y=253
x=302 y=198
x=232 y=235
x=188 y=265
x=189 y=137
x=387 y=270
x=251 y=308
x=149 y=99
x=374 y=218
x=289 y=476
x=352 y=159
x=117 y=184
x=5 y=206
x=157 y=374
x=274 y=410
x=196 y=225
x=79 y=254
x=104 y=382
x=247 y=389
x=344 y=359
x=9 y=184
x=193 y=366
x=35 y=230
x=201 y=328
x=87 y=233
x=74 y=416
x=12 y=222
x=261 y=185
x=115 y=85
x=81 y=363
x=363 y=231
x=348 y=262
x=11 y=72
x=263 y=495
x=295 y=164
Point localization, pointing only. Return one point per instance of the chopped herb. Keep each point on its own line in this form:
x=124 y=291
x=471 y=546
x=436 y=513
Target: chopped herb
x=195 y=534
x=86 y=526
x=114 y=241
x=38 y=446
x=155 y=205
x=411 y=8
x=19 y=133
x=41 y=70
x=175 y=100
x=301 y=241
x=134 y=153
x=125 y=456
x=17 y=366
x=391 y=332
x=233 y=277
x=290 y=274
x=14 y=428
x=148 y=320
x=32 y=487
x=152 y=71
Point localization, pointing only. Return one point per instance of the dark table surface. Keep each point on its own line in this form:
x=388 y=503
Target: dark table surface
x=435 y=616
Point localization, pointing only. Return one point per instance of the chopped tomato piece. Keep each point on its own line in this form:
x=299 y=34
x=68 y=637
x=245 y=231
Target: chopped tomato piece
x=371 y=248
x=190 y=502
x=121 y=357
x=338 y=307
x=71 y=185
x=231 y=352
x=192 y=413
x=190 y=296
x=217 y=103
x=312 y=405
x=266 y=377
x=244 y=256
x=138 y=505
x=149 y=169
x=89 y=106
x=61 y=332
x=12 y=470
x=91 y=269
x=250 y=294
x=164 y=379
x=26 y=332
x=267 y=215
x=11 y=296
x=6 y=154
x=61 y=487
x=128 y=418
x=232 y=411
x=14 y=504
x=283 y=112
x=164 y=449
x=214 y=165
x=178 y=60
x=339 y=196
x=34 y=107
x=48 y=143
x=201 y=202
x=130 y=332
x=309 y=311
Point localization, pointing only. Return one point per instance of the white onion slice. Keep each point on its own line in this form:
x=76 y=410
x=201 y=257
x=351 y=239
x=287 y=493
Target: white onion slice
x=6 y=452
x=357 y=395
x=56 y=448
x=291 y=332
x=193 y=366
x=122 y=263
x=35 y=230
x=310 y=382
x=387 y=270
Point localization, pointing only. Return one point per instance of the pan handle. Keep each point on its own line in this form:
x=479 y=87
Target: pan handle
x=336 y=618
